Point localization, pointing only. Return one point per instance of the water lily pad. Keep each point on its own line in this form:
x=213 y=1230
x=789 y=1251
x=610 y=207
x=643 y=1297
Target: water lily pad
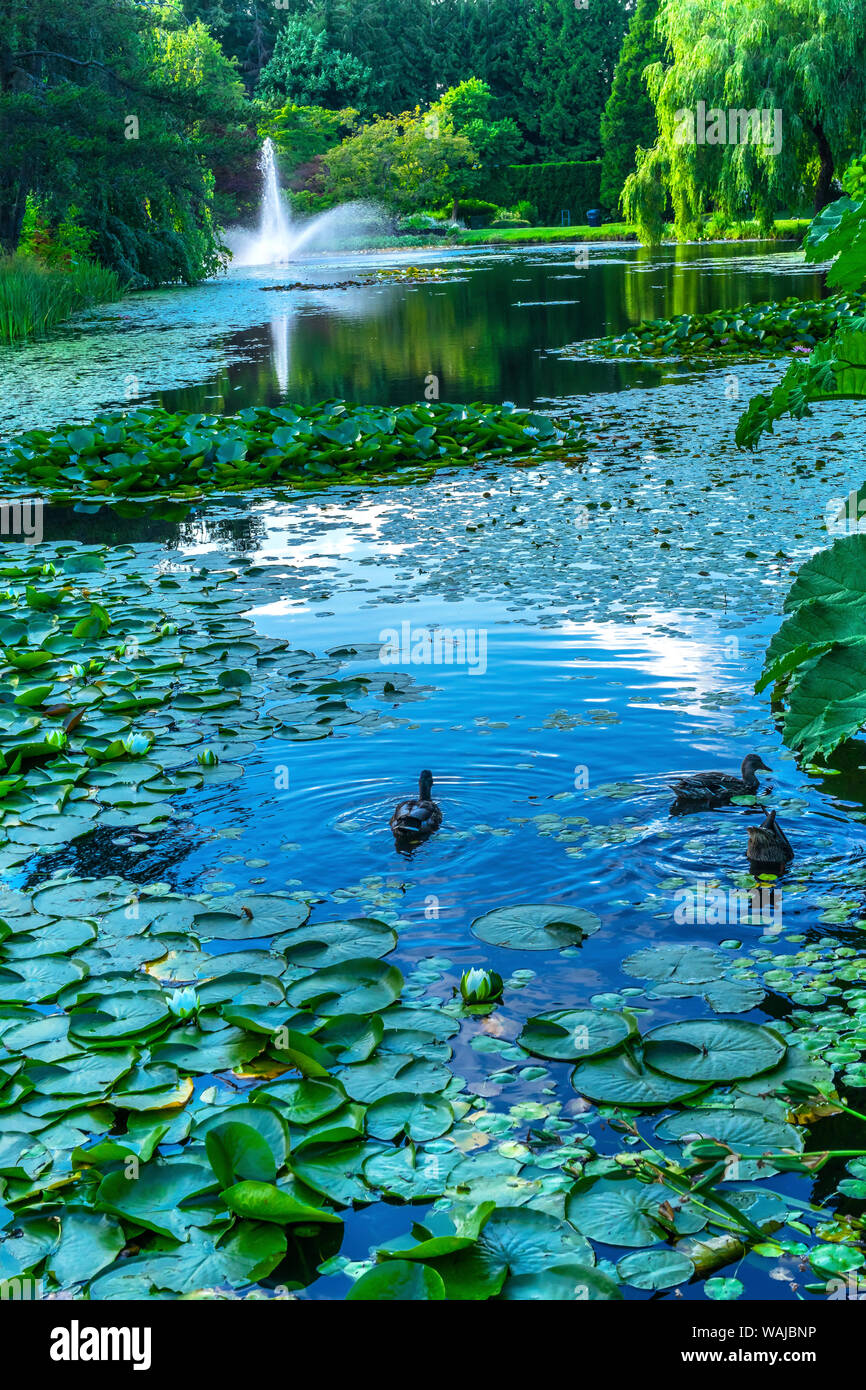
x=568 y=1034
x=262 y=1201
x=419 y=1117
x=623 y=1211
x=122 y=1015
x=749 y=1134
x=536 y=926
x=362 y=985
x=154 y=1200
x=710 y=1049
x=670 y=963
x=655 y=1269
x=398 y=1280
x=623 y=1080
x=561 y=1283
x=330 y=943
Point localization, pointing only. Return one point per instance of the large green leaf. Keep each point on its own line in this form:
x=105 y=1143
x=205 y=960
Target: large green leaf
x=568 y=1034
x=623 y=1211
x=398 y=1280
x=621 y=1079
x=262 y=1201
x=713 y=1049
x=536 y=926
x=153 y=1198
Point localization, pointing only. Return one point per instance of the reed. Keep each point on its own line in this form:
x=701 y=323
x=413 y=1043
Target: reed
x=34 y=297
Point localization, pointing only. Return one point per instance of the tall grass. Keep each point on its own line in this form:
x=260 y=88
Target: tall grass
x=34 y=297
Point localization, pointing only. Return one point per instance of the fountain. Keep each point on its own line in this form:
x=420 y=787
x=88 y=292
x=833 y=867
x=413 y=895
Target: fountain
x=274 y=223
x=277 y=241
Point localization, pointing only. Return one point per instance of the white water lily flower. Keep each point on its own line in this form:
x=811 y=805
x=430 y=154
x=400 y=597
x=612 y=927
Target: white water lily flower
x=183 y=1002
x=480 y=986
x=136 y=745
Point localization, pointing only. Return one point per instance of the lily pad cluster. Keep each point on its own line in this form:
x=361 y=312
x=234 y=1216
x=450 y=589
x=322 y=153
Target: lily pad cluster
x=763 y=330
x=150 y=452
x=121 y=689
x=146 y=1152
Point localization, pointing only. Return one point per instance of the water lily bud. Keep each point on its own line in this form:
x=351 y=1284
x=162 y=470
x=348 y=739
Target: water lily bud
x=137 y=744
x=168 y=630
x=56 y=738
x=48 y=570
x=207 y=757
x=480 y=986
x=183 y=1003
x=77 y=671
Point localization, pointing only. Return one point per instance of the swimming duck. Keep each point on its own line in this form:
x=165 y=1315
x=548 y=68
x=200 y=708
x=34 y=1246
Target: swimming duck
x=768 y=846
x=419 y=816
x=717 y=788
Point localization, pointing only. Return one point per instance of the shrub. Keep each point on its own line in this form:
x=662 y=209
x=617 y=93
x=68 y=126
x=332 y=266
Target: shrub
x=482 y=213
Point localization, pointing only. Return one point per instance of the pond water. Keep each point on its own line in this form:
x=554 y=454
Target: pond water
x=616 y=614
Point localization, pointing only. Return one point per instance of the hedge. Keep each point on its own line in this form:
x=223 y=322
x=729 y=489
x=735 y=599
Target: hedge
x=572 y=184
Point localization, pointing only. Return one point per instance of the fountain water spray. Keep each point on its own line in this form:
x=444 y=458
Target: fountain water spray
x=274 y=224
x=277 y=240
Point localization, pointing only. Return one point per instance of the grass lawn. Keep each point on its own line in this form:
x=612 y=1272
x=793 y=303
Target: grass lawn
x=613 y=231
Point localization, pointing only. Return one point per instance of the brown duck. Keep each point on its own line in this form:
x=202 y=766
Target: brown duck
x=419 y=816
x=716 y=788
x=769 y=849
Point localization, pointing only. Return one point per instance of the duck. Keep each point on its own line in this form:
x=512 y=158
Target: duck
x=768 y=848
x=717 y=788
x=419 y=816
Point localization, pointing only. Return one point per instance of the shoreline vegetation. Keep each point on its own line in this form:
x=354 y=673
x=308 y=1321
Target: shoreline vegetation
x=34 y=297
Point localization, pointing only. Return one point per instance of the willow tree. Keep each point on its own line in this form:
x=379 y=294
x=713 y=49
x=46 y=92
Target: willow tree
x=757 y=106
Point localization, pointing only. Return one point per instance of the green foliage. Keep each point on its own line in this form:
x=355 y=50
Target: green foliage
x=112 y=112
x=300 y=133
x=802 y=59
x=35 y=297
x=818 y=656
x=854 y=178
x=839 y=234
x=572 y=184
x=424 y=159
x=305 y=70
x=764 y=330
x=152 y=451
x=629 y=121
x=836 y=368
x=571 y=53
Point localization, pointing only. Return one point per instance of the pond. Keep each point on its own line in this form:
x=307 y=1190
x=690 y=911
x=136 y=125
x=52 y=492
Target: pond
x=605 y=622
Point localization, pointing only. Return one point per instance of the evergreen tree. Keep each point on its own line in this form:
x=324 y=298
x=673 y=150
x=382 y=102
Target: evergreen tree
x=573 y=56
x=304 y=68
x=629 y=119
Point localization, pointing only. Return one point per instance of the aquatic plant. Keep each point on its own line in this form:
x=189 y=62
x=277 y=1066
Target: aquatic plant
x=817 y=659
x=150 y=452
x=769 y=329
x=480 y=986
x=836 y=368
